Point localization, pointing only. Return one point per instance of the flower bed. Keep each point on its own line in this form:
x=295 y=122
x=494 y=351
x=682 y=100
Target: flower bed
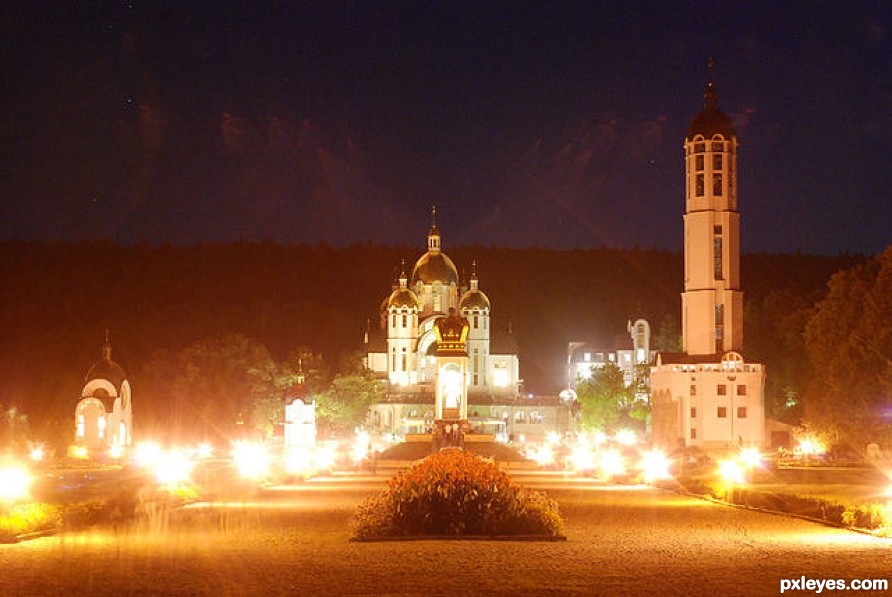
x=24 y=519
x=456 y=494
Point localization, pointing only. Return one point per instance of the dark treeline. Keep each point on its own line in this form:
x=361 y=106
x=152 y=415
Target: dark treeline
x=58 y=299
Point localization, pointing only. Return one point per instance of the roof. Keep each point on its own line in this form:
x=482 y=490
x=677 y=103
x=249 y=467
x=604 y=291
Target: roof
x=434 y=267
x=711 y=121
x=474 y=299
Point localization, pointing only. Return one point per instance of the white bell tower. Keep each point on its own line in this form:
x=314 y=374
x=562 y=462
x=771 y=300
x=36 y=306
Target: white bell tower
x=712 y=302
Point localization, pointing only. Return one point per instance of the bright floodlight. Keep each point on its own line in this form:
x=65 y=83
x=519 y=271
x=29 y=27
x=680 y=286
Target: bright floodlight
x=79 y=452
x=324 y=457
x=174 y=467
x=751 y=457
x=554 y=438
x=626 y=437
x=37 y=453
x=14 y=483
x=731 y=472
x=655 y=466
x=544 y=456
x=251 y=460
x=599 y=437
x=582 y=458
x=204 y=451
x=147 y=454
x=611 y=463
x=115 y=452
x=810 y=446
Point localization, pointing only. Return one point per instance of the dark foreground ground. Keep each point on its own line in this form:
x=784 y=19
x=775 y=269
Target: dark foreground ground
x=294 y=540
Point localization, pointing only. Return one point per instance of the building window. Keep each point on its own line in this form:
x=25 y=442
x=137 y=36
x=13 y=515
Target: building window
x=698 y=163
x=693 y=412
x=519 y=417
x=701 y=185
x=717 y=161
x=717 y=251
x=393 y=323
x=693 y=390
x=405 y=320
x=741 y=390
x=721 y=390
x=699 y=147
x=717 y=146
x=741 y=412
x=476 y=322
x=717 y=184
x=405 y=362
x=693 y=433
x=716 y=229
x=722 y=412
x=587 y=357
x=393 y=359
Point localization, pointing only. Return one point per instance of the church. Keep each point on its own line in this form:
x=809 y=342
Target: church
x=402 y=350
x=103 y=416
x=709 y=396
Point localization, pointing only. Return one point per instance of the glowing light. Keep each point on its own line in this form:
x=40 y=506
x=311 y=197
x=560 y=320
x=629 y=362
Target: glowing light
x=655 y=466
x=731 y=472
x=251 y=460
x=116 y=452
x=544 y=456
x=204 y=451
x=599 y=437
x=626 y=437
x=80 y=452
x=582 y=459
x=751 y=457
x=324 y=457
x=361 y=447
x=554 y=438
x=611 y=464
x=147 y=454
x=37 y=454
x=500 y=377
x=173 y=468
x=14 y=483
x=810 y=446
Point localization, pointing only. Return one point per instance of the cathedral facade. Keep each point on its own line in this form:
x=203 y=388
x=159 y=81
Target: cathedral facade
x=402 y=351
x=709 y=396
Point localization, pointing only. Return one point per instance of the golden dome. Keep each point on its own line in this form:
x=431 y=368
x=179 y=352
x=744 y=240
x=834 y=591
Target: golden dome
x=402 y=297
x=474 y=299
x=434 y=267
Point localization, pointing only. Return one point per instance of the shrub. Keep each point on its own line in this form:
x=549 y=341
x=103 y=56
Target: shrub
x=868 y=516
x=456 y=493
x=28 y=518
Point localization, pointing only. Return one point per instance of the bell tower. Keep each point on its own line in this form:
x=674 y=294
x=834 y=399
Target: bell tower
x=712 y=302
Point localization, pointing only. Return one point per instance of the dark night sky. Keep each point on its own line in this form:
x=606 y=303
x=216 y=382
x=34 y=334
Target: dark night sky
x=552 y=123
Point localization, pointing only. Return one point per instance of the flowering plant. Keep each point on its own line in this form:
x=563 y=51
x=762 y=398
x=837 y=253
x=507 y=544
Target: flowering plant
x=456 y=493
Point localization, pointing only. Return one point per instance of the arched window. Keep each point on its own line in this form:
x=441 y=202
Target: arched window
x=520 y=417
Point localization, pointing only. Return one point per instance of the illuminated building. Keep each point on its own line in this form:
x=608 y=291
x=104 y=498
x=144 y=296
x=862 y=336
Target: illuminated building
x=402 y=351
x=708 y=395
x=627 y=352
x=104 y=414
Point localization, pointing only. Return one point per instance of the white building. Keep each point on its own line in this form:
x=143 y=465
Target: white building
x=103 y=416
x=709 y=396
x=627 y=352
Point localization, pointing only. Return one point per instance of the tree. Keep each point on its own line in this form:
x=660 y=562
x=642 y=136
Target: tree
x=668 y=338
x=603 y=398
x=213 y=388
x=849 y=342
x=345 y=404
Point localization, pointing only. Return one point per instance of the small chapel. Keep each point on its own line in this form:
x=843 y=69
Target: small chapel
x=103 y=416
